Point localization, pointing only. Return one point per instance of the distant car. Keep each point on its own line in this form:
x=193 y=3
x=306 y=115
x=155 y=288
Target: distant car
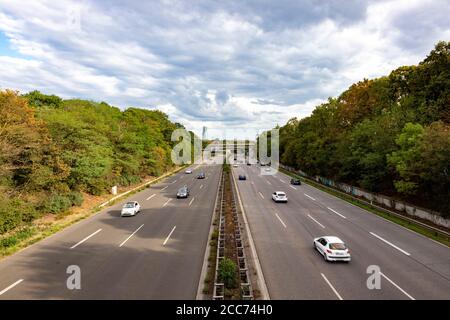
x=183 y=192
x=235 y=165
x=249 y=164
x=188 y=171
x=130 y=208
x=262 y=164
x=332 y=249
x=296 y=182
x=201 y=175
x=279 y=196
x=267 y=169
x=242 y=177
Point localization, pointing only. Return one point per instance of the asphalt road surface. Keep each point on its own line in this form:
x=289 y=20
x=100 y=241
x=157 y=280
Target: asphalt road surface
x=412 y=266
x=157 y=254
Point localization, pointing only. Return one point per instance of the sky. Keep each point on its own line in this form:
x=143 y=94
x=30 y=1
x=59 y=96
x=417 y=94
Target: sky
x=236 y=67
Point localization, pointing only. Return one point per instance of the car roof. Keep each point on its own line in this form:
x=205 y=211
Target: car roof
x=280 y=192
x=333 y=239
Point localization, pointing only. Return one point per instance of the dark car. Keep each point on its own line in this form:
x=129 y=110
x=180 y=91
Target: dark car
x=249 y=164
x=242 y=177
x=296 y=181
x=201 y=175
x=183 y=192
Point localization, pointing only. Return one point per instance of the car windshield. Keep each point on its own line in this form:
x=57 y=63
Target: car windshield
x=281 y=194
x=129 y=205
x=337 y=246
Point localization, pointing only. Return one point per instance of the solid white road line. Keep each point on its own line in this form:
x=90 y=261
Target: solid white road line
x=309 y=197
x=164 y=188
x=190 y=202
x=201 y=186
x=167 y=239
x=398 y=287
x=165 y=204
x=331 y=286
x=389 y=243
x=293 y=187
x=261 y=194
x=89 y=236
x=11 y=286
x=284 y=225
x=316 y=221
x=151 y=196
x=342 y=216
x=131 y=235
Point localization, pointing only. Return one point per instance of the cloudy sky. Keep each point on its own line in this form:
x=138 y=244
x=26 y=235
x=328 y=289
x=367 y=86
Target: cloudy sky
x=236 y=67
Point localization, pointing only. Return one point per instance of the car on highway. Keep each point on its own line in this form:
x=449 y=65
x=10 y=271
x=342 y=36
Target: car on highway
x=188 y=171
x=183 y=192
x=235 y=165
x=242 y=177
x=249 y=164
x=201 y=175
x=296 y=182
x=279 y=196
x=267 y=169
x=130 y=208
x=332 y=248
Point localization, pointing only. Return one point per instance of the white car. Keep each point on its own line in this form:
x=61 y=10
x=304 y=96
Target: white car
x=279 y=196
x=332 y=249
x=235 y=165
x=188 y=171
x=130 y=209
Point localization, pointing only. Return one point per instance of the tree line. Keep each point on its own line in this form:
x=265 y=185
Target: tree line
x=389 y=135
x=52 y=150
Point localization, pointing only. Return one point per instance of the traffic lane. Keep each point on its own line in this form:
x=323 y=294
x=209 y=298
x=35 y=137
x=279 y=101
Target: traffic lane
x=349 y=280
x=428 y=252
x=369 y=250
x=288 y=274
x=47 y=256
x=164 y=260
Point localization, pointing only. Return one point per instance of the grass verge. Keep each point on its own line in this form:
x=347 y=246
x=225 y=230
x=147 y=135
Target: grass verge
x=435 y=235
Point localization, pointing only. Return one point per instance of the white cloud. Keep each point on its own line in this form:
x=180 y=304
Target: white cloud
x=240 y=66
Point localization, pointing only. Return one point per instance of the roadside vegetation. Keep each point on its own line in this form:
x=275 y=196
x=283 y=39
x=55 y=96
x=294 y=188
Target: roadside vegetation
x=54 y=153
x=389 y=135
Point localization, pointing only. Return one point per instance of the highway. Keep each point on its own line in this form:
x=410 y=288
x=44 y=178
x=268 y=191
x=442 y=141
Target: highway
x=412 y=266
x=157 y=254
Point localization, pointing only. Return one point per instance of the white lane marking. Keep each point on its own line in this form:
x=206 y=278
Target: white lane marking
x=261 y=194
x=201 y=186
x=11 y=286
x=190 y=202
x=151 y=196
x=398 y=287
x=167 y=239
x=89 y=236
x=282 y=181
x=389 y=243
x=293 y=187
x=316 y=221
x=165 y=204
x=284 y=225
x=268 y=182
x=181 y=177
x=309 y=197
x=253 y=183
x=164 y=188
x=331 y=286
x=131 y=235
x=342 y=216
x=174 y=181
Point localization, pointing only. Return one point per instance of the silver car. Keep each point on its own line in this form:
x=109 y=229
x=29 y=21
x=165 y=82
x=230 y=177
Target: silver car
x=130 y=208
